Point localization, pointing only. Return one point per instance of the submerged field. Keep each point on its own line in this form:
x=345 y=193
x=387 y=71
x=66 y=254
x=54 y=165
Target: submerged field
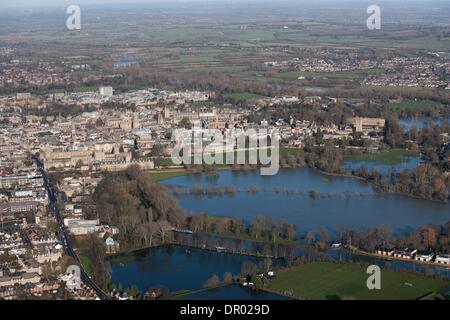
x=323 y=281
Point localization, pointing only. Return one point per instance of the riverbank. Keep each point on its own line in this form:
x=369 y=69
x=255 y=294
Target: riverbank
x=217 y=249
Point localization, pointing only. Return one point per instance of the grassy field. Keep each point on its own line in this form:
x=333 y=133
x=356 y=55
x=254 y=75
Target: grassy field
x=415 y=105
x=284 y=151
x=325 y=280
x=343 y=75
x=164 y=175
x=389 y=156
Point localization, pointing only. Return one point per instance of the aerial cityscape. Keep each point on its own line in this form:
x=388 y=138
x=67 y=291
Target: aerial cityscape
x=198 y=150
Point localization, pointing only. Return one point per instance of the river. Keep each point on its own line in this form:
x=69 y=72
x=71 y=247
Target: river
x=339 y=201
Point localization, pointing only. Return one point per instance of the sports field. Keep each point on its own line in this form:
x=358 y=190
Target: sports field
x=325 y=280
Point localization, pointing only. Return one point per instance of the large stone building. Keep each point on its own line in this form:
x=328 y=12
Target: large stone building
x=367 y=124
x=87 y=155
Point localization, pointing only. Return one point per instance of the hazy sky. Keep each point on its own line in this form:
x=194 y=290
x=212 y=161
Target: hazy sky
x=10 y=5
x=34 y=3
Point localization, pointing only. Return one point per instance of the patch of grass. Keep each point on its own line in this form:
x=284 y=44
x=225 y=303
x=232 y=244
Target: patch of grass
x=388 y=156
x=86 y=263
x=326 y=280
x=415 y=105
x=287 y=151
x=162 y=175
x=166 y=162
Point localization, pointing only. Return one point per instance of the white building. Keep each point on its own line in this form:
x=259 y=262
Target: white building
x=425 y=256
x=82 y=227
x=443 y=259
x=106 y=91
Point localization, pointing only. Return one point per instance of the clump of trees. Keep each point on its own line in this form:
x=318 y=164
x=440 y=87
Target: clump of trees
x=217 y=225
x=212 y=282
x=425 y=181
x=393 y=132
x=95 y=250
x=262 y=227
x=143 y=210
x=318 y=238
x=327 y=158
x=432 y=237
x=296 y=160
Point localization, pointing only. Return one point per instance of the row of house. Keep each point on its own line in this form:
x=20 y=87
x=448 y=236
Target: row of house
x=410 y=253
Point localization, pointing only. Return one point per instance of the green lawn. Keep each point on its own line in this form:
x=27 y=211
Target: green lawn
x=166 y=162
x=87 y=266
x=161 y=175
x=325 y=280
x=415 y=105
x=284 y=151
x=388 y=156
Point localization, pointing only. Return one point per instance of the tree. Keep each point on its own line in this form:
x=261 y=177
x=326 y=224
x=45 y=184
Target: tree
x=290 y=231
x=227 y=278
x=430 y=237
x=185 y=123
x=79 y=164
x=163 y=227
x=212 y=282
x=95 y=250
x=310 y=236
x=157 y=150
x=99 y=122
x=393 y=132
x=260 y=226
x=248 y=268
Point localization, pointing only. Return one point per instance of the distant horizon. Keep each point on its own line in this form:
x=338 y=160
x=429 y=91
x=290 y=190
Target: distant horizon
x=23 y=4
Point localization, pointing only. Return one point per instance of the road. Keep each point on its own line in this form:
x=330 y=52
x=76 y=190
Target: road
x=63 y=235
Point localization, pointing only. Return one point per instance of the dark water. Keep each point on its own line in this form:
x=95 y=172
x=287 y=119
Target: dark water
x=174 y=268
x=348 y=202
x=233 y=292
